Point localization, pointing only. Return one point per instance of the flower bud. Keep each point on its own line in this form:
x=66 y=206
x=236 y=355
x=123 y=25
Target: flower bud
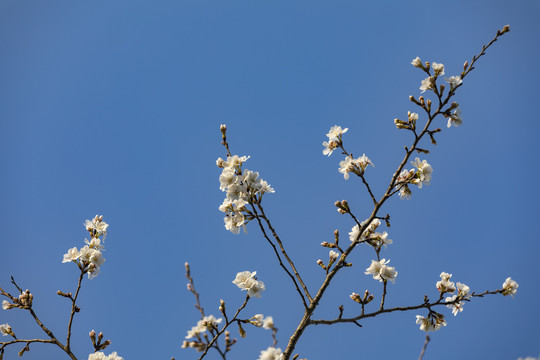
x=465 y=65
x=355 y=297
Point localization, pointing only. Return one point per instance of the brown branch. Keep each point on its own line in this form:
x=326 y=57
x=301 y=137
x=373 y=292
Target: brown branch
x=306 y=321
x=424 y=348
x=74 y=309
x=291 y=263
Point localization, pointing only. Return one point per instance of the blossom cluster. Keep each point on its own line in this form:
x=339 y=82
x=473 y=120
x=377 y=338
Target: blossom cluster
x=369 y=235
x=381 y=271
x=434 y=321
x=419 y=176
x=206 y=323
x=90 y=257
x=334 y=139
x=430 y=83
x=101 y=356
x=271 y=353
x=246 y=280
x=24 y=301
x=242 y=187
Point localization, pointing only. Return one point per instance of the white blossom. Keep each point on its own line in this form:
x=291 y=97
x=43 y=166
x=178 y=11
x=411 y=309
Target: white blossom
x=427 y=324
x=236 y=161
x=333 y=255
x=114 y=356
x=98 y=225
x=245 y=280
x=417 y=62
x=427 y=83
x=381 y=271
x=5 y=329
x=202 y=326
x=456 y=307
x=270 y=354
x=445 y=285
x=257 y=320
x=423 y=175
x=95 y=243
x=329 y=147
x=227 y=178
x=345 y=166
x=335 y=133
x=509 y=287
x=268 y=323
x=98 y=356
x=463 y=291
x=72 y=255
x=454 y=81
x=455 y=118
x=438 y=68
x=405 y=192
x=6 y=305
x=266 y=188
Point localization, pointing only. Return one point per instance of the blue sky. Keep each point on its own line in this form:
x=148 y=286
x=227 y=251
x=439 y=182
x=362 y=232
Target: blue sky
x=113 y=108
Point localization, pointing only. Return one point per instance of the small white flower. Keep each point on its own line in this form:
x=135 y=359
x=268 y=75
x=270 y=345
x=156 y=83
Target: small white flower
x=266 y=188
x=95 y=243
x=345 y=166
x=5 y=329
x=98 y=356
x=456 y=307
x=463 y=291
x=333 y=255
x=245 y=280
x=227 y=178
x=268 y=323
x=438 y=68
x=335 y=133
x=445 y=285
x=72 y=255
x=427 y=84
x=6 y=305
x=98 y=225
x=114 y=356
x=257 y=320
x=236 y=161
x=427 y=324
x=455 y=118
x=381 y=271
x=270 y=354
x=405 y=193
x=363 y=161
x=417 y=62
x=423 y=175
x=355 y=232
x=329 y=147
x=509 y=287
x=454 y=81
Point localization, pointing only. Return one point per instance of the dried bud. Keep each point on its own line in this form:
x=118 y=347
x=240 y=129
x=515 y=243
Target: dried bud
x=421 y=99
x=328 y=245
x=369 y=298
x=241 y=330
x=92 y=334
x=336 y=236
x=453 y=106
x=504 y=30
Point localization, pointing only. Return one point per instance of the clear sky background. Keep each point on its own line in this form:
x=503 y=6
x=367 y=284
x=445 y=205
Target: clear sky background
x=113 y=107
